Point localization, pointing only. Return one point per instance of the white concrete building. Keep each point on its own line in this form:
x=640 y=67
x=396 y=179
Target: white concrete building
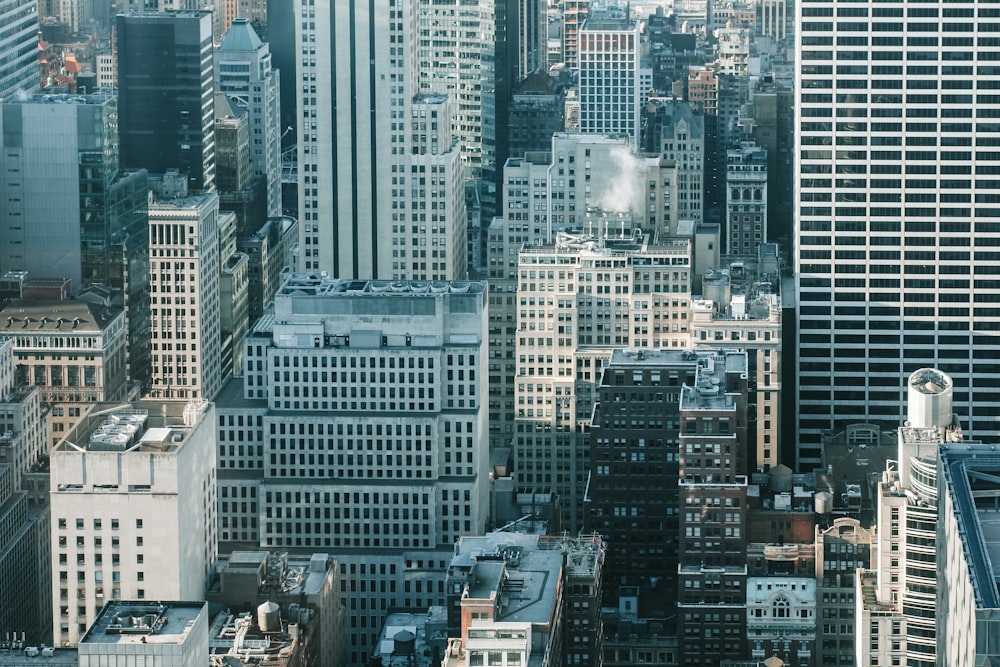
x=781 y=612
x=371 y=189
x=133 y=510
x=455 y=58
x=591 y=183
x=154 y=634
x=243 y=72
x=184 y=290
x=362 y=430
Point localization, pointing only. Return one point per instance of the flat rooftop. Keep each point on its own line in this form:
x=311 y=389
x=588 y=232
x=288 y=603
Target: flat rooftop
x=320 y=284
x=141 y=622
x=160 y=426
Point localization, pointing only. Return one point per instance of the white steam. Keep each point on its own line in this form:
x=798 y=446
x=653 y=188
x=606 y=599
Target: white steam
x=624 y=185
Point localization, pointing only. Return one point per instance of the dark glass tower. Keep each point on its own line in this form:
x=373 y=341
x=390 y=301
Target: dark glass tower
x=166 y=94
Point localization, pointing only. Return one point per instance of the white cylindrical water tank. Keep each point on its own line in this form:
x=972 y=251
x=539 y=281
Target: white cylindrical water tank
x=824 y=502
x=268 y=617
x=928 y=400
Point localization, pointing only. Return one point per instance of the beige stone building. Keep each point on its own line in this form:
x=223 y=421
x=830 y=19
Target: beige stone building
x=73 y=351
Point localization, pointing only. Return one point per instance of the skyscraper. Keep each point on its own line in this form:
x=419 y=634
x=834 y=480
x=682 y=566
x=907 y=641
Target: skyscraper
x=71 y=212
x=613 y=82
x=366 y=401
x=184 y=271
x=166 y=108
x=379 y=166
x=243 y=72
x=18 y=48
x=896 y=211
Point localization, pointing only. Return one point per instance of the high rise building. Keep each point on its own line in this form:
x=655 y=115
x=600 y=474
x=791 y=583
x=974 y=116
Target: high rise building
x=18 y=49
x=712 y=576
x=967 y=582
x=72 y=212
x=75 y=355
x=578 y=300
x=379 y=164
x=682 y=139
x=455 y=50
x=24 y=551
x=133 y=510
x=244 y=74
x=889 y=215
x=184 y=275
x=365 y=400
x=746 y=199
x=907 y=506
x=614 y=81
x=634 y=453
x=586 y=182
x=166 y=108
x=533 y=38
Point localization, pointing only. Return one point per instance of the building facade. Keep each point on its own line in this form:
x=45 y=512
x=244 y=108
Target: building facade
x=366 y=400
x=19 y=49
x=75 y=355
x=166 y=104
x=379 y=168
x=132 y=494
x=888 y=216
x=244 y=73
x=712 y=586
x=72 y=212
x=614 y=84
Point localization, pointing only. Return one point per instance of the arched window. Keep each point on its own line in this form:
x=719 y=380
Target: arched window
x=781 y=608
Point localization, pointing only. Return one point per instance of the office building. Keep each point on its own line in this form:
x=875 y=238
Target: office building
x=157 y=634
x=379 y=165
x=393 y=372
x=18 y=49
x=133 y=506
x=890 y=217
x=967 y=585
x=302 y=593
x=634 y=454
x=184 y=275
x=456 y=54
x=682 y=139
x=166 y=114
x=740 y=308
x=73 y=351
x=578 y=300
x=532 y=38
x=614 y=82
x=244 y=73
x=555 y=614
x=586 y=182
x=25 y=555
x=712 y=577
x=72 y=212
x=234 y=298
x=905 y=587
x=270 y=250
x=842 y=549
x=746 y=199
x=537 y=111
